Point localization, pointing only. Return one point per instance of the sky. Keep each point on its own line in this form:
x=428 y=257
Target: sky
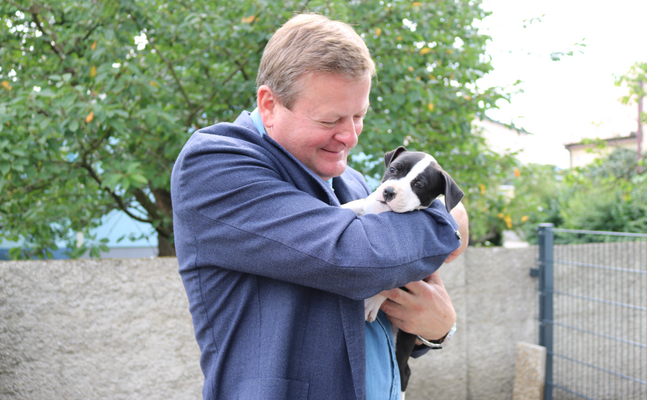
x=567 y=100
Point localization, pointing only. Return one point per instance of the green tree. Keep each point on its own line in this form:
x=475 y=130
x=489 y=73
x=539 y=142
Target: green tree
x=635 y=80
x=608 y=195
x=99 y=96
x=538 y=192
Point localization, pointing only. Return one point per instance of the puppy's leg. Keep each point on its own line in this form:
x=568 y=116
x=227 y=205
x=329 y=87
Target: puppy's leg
x=403 y=348
x=372 y=306
x=357 y=206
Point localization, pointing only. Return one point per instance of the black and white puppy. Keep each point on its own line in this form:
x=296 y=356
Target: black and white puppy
x=413 y=180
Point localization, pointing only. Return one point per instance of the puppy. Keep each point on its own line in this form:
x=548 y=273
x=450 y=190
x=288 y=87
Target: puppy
x=413 y=180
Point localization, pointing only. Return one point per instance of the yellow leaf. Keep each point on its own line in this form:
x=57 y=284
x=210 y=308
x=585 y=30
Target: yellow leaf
x=410 y=69
x=424 y=51
x=517 y=173
x=6 y=85
x=468 y=98
x=501 y=215
x=90 y=117
x=482 y=187
x=399 y=37
x=430 y=106
x=249 y=19
x=94 y=45
x=152 y=83
x=378 y=31
x=508 y=221
x=416 y=4
x=93 y=71
x=524 y=218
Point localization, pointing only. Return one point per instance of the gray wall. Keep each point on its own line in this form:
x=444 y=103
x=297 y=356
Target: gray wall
x=120 y=329
x=497 y=303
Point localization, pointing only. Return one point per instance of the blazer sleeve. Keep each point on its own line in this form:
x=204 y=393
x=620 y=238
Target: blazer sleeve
x=234 y=208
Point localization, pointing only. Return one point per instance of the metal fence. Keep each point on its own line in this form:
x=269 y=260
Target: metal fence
x=593 y=313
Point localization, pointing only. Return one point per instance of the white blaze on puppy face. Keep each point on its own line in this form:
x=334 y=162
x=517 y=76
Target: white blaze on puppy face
x=405 y=199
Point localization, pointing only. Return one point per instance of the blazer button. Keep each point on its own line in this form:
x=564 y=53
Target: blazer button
x=458 y=235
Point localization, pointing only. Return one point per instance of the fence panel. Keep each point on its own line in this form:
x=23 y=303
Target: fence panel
x=593 y=313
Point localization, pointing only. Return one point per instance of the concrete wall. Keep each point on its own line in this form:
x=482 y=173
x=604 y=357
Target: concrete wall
x=498 y=305
x=96 y=329
x=120 y=329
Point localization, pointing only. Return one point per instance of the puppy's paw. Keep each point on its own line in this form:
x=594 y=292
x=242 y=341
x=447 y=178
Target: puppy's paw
x=372 y=307
x=357 y=206
x=376 y=207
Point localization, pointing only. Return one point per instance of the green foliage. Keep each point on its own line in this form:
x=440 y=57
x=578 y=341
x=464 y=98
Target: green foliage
x=635 y=80
x=608 y=195
x=537 y=196
x=98 y=97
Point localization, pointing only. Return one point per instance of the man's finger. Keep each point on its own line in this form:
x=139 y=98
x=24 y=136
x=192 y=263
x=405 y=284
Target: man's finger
x=435 y=278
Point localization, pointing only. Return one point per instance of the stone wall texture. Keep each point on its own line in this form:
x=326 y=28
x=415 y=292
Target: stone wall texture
x=121 y=329
x=96 y=329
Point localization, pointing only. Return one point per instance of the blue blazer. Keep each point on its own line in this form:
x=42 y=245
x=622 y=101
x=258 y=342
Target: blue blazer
x=276 y=272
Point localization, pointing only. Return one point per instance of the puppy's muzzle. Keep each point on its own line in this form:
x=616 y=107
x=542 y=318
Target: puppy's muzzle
x=388 y=194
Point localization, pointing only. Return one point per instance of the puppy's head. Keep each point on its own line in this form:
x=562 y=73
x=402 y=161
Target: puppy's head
x=413 y=180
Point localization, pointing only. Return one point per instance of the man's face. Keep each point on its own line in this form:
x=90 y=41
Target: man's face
x=324 y=123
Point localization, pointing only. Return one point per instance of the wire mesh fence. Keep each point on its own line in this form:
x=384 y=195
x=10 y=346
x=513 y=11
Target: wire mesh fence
x=593 y=313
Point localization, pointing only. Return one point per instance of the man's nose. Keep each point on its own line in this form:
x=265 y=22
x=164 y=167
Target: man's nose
x=349 y=132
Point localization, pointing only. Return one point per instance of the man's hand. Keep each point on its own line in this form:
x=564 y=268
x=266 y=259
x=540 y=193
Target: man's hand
x=426 y=310
x=460 y=215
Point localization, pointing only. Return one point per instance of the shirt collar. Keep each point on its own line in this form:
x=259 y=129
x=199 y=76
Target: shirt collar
x=258 y=122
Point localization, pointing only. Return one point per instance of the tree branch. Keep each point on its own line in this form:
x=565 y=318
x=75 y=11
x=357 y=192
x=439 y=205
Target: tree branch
x=84 y=164
x=80 y=40
x=34 y=10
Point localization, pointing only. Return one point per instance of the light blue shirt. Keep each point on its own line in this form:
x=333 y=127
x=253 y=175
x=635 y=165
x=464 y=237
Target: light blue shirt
x=382 y=374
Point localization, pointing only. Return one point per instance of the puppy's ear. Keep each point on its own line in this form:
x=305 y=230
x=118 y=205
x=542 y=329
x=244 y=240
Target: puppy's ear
x=453 y=194
x=391 y=155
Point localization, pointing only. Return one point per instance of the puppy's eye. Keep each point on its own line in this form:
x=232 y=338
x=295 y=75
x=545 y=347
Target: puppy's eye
x=418 y=185
x=392 y=170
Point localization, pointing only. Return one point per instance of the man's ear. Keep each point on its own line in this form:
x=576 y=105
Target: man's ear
x=391 y=155
x=266 y=102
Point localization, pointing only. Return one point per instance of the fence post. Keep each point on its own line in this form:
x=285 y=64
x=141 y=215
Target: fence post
x=546 y=242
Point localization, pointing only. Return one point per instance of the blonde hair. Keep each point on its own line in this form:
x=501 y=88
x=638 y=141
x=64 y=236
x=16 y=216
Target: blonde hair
x=309 y=44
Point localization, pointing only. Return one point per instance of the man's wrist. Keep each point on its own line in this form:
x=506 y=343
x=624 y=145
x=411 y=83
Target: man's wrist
x=440 y=343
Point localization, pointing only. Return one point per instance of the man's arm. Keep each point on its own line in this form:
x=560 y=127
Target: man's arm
x=239 y=211
x=460 y=215
x=426 y=309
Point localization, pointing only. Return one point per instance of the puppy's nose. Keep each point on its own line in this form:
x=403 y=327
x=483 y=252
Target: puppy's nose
x=389 y=193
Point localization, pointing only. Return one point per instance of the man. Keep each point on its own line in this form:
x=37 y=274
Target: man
x=275 y=271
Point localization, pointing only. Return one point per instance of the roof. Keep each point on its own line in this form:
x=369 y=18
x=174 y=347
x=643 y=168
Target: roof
x=616 y=140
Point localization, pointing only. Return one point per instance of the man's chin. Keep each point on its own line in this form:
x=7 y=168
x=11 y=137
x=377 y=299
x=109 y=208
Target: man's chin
x=331 y=171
